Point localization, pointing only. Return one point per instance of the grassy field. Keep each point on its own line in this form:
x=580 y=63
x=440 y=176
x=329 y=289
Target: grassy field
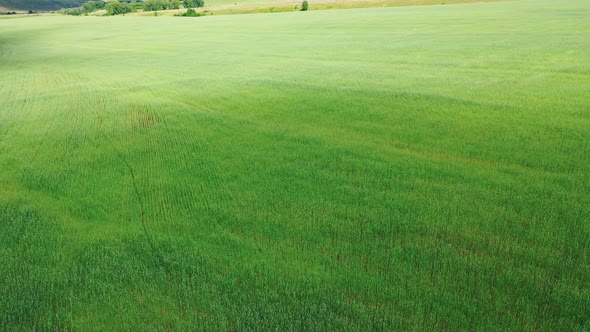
x=396 y=168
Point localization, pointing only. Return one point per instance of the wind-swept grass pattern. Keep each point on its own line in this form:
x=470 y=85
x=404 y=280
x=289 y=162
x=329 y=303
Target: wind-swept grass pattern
x=376 y=169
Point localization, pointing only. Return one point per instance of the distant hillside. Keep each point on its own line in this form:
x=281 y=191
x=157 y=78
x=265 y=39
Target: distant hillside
x=39 y=5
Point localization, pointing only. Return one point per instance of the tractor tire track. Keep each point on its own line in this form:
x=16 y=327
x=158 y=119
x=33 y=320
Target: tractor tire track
x=143 y=222
x=120 y=156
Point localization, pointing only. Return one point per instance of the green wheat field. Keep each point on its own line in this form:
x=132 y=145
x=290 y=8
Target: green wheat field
x=415 y=168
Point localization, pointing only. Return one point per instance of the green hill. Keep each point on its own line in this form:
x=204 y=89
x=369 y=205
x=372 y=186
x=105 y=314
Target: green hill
x=39 y=5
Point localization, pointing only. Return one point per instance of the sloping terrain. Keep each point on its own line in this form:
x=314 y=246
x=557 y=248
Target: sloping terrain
x=39 y=5
x=388 y=169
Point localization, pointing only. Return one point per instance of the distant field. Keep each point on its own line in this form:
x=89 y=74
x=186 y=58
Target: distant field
x=224 y=7
x=387 y=169
x=341 y=2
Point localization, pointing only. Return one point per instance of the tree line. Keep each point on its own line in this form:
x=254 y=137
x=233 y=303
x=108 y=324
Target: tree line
x=123 y=7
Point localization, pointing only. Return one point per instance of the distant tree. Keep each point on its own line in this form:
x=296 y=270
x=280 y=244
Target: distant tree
x=304 y=6
x=91 y=6
x=88 y=7
x=153 y=5
x=191 y=12
x=118 y=8
x=74 y=12
x=174 y=4
x=135 y=6
x=194 y=3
